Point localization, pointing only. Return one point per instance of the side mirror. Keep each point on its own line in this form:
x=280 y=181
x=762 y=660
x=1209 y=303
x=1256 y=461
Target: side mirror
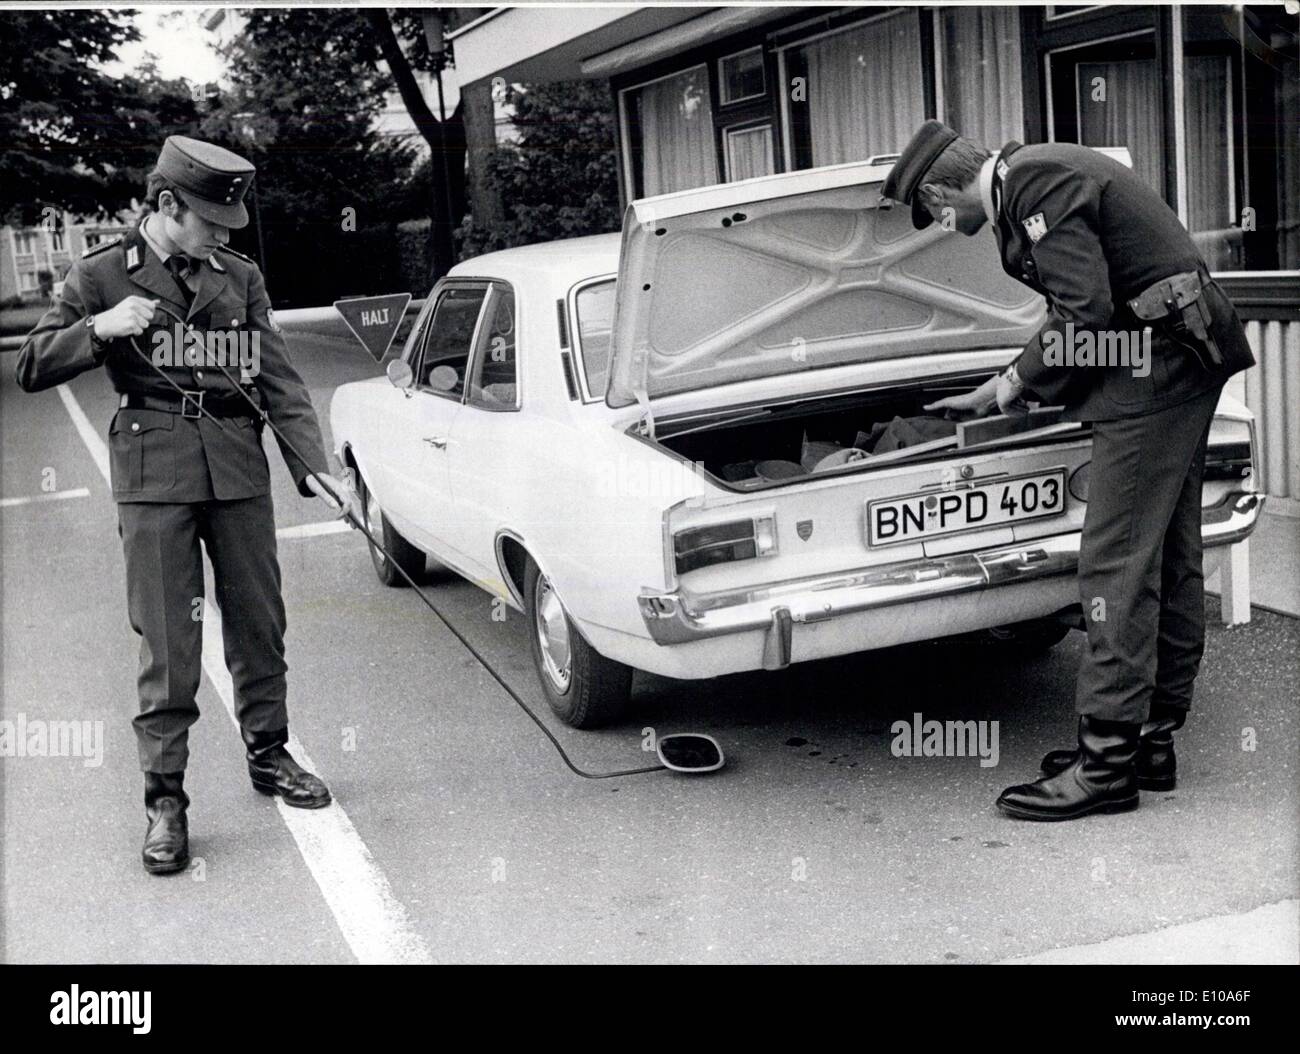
x=689 y=752
x=399 y=373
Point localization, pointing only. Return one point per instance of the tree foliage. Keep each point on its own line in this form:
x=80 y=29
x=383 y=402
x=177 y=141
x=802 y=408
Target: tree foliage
x=306 y=89
x=560 y=178
x=71 y=135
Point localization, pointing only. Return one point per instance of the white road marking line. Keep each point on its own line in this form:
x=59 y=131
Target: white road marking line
x=312 y=530
x=373 y=921
x=97 y=447
x=56 y=495
x=1269 y=934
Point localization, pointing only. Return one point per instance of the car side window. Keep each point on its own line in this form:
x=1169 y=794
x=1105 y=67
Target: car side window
x=494 y=384
x=595 y=310
x=448 y=339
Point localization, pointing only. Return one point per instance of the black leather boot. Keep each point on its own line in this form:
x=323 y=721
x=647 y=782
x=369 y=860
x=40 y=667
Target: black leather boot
x=274 y=771
x=167 y=838
x=1157 y=766
x=1102 y=777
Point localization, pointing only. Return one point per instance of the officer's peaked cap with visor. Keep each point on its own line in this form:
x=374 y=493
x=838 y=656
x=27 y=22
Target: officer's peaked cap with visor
x=905 y=178
x=214 y=180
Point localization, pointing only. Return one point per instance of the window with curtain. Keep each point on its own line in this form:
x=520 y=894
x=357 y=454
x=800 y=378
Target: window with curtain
x=674 y=142
x=979 y=63
x=749 y=152
x=1232 y=162
x=1119 y=105
x=863 y=91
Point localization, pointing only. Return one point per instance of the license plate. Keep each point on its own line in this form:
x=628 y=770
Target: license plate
x=932 y=513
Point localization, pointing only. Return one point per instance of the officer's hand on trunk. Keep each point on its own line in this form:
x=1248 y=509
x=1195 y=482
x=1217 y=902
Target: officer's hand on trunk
x=978 y=403
x=129 y=318
x=337 y=494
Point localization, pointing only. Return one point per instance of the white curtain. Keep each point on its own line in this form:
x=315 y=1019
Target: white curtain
x=864 y=90
x=1126 y=112
x=749 y=152
x=1209 y=143
x=677 y=149
x=982 y=91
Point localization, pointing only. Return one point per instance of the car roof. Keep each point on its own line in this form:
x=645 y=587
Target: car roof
x=563 y=262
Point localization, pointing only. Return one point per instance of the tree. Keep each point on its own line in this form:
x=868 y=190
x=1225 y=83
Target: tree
x=560 y=179
x=72 y=136
x=306 y=89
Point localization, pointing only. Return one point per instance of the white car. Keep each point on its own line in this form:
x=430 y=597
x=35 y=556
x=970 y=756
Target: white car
x=657 y=448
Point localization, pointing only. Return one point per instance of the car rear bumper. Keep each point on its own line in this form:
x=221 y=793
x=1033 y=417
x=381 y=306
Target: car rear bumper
x=681 y=616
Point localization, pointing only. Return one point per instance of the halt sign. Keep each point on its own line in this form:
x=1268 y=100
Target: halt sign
x=374 y=319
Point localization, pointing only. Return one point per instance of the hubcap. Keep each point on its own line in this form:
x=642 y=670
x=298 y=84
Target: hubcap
x=552 y=629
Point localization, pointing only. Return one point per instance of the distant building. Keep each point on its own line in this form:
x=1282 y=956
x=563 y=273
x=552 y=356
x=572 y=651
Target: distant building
x=25 y=252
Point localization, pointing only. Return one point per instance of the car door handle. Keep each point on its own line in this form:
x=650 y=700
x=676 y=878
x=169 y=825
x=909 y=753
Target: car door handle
x=437 y=442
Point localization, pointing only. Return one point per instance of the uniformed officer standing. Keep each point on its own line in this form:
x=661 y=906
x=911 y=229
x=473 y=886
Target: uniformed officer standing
x=189 y=468
x=1109 y=255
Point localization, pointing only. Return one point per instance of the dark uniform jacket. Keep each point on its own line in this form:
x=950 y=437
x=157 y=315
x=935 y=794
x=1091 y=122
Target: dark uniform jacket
x=157 y=456
x=1088 y=234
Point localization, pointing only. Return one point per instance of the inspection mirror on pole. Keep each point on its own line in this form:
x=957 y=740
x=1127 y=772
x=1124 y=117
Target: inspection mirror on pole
x=374 y=320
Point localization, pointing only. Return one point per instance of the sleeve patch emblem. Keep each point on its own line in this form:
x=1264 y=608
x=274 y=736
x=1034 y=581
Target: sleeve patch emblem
x=1036 y=226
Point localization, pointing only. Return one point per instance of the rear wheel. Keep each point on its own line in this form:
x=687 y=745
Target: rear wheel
x=585 y=689
x=406 y=556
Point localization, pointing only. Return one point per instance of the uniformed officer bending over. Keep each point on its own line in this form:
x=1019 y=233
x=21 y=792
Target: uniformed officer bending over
x=1108 y=254
x=181 y=477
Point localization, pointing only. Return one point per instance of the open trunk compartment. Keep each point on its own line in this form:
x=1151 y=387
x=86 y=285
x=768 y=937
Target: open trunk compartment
x=758 y=446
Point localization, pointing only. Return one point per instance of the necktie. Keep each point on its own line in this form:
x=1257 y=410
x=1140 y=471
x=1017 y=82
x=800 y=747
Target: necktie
x=180 y=266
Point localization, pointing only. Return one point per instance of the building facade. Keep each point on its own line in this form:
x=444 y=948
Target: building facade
x=29 y=253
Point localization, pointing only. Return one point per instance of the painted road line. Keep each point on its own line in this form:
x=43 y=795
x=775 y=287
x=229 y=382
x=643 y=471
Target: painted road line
x=97 y=447
x=313 y=530
x=1267 y=935
x=56 y=495
x=372 y=920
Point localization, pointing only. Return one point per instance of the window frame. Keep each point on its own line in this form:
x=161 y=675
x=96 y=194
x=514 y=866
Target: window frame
x=425 y=320
x=586 y=395
x=820 y=28
x=761 y=94
x=496 y=288
x=635 y=174
x=746 y=126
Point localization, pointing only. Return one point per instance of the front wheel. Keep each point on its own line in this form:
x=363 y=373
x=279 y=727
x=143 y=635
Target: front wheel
x=585 y=689
x=406 y=556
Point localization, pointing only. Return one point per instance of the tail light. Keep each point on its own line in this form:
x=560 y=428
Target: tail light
x=720 y=543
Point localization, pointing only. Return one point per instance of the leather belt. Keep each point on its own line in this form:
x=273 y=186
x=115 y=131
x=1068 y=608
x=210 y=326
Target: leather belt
x=217 y=404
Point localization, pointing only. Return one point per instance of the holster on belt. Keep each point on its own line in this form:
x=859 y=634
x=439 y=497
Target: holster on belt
x=1178 y=304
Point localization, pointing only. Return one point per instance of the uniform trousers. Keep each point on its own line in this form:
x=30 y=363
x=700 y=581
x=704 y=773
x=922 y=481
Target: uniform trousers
x=1140 y=573
x=165 y=590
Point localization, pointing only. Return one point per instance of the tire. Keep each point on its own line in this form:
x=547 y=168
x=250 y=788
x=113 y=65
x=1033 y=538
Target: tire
x=1032 y=637
x=407 y=556
x=583 y=688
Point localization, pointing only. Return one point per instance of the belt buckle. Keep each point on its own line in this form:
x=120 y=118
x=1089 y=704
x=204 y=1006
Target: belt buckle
x=195 y=399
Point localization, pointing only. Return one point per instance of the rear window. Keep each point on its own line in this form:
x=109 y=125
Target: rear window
x=595 y=310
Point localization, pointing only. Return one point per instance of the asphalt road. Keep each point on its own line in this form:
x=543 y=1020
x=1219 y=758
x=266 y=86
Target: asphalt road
x=460 y=836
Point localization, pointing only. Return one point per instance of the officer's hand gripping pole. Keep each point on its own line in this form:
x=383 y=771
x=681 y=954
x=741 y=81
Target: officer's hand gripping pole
x=355 y=522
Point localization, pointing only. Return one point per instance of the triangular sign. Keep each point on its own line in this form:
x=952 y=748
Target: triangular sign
x=374 y=319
